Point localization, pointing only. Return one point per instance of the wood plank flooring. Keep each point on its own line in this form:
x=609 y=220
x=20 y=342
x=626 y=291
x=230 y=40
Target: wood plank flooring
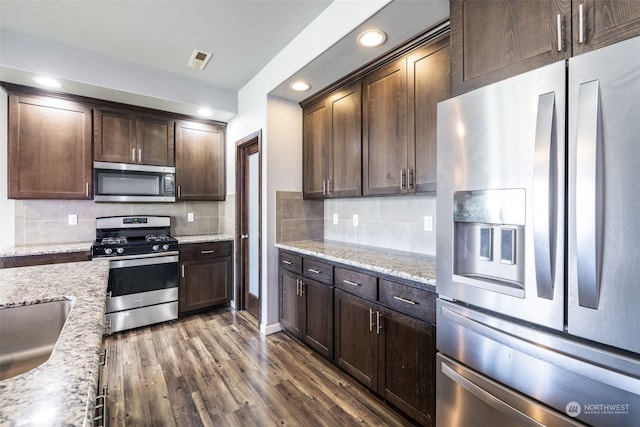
x=215 y=369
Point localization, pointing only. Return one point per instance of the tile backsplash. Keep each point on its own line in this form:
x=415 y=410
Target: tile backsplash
x=386 y=222
x=46 y=221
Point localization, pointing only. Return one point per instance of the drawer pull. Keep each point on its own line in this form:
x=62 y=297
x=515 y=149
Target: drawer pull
x=284 y=261
x=207 y=252
x=314 y=271
x=408 y=301
x=349 y=282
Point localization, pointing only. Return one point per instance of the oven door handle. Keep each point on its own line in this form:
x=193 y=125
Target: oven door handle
x=143 y=261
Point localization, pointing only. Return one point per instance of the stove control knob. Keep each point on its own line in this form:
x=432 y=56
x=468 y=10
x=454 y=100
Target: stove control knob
x=156 y=247
x=108 y=251
x=165 y=247
x=120 y=250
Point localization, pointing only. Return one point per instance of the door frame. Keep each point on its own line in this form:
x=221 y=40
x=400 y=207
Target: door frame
x=241 y=250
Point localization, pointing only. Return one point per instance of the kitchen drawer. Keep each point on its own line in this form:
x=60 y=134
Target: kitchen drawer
x=291 y=262
x=360 y=284
x=317 y=270
x=409 y=300
x=194 y=251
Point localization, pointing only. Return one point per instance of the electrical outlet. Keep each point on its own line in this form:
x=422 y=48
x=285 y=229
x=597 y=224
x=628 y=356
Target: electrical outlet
x=355 y=220
x=428 y=223
x=73 y=219
x=335 y=219
x=191 y=217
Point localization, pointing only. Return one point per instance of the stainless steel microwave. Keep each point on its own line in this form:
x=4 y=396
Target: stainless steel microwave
x=122 y=182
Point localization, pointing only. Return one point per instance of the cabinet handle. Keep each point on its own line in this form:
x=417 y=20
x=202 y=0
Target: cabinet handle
x=328 y=187
x=103 y=396
x=208 y=252
x=370 y=320
x=559 y=29
x=402 y=178
x=182 y=270
x=314 y=271
x=349 y=282
x=86 y=189
x=410 y=173
x=284 y=261
x=301 y=288
x=139 y=155
x=104 y=356
x=107 y=326
x=179 y=192
x=378 y=327
x=109 y=294
x=408 y=301
x=581 y=23
x=298 y=281
x=133 y=155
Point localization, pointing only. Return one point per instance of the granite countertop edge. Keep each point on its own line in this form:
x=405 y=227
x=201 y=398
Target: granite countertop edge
x=390 y=262
x=205 y=238
x=45 y=249
x=62 y=390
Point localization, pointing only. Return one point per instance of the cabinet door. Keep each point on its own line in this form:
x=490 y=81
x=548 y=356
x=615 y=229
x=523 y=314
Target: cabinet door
x=290 y=303
x=428 y=76
x=384 y=135
x=200 y=161
x=205 y=283
x=604 y=22
x=407 y=365
x=114 y=136
x=493 y=40
x=345 y=147
x=154 y=139
x=49 y=148
x=315 y=139
x=318 y=316
x=356 y=338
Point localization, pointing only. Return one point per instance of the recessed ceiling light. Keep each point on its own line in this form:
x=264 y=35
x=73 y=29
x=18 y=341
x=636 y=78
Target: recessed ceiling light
x=372 y=38
x=300 y=86
x=47 y=81
x=205 y=112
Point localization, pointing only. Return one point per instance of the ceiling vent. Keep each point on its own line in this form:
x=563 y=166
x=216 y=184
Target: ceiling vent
x=199 y=59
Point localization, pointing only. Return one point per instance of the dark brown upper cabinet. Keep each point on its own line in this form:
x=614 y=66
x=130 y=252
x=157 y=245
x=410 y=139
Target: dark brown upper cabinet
x=123 y=136
x=332 y=145
x=400 y=117
x=494 y=40
x=603 y=22
x=200 y=161
x=49 y=148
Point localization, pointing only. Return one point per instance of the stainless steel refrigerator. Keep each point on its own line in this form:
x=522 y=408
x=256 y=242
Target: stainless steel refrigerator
x=538 y=243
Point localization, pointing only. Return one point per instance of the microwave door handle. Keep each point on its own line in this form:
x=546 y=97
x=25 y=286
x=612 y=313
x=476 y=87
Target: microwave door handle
x=589 y=195
x=545 y=207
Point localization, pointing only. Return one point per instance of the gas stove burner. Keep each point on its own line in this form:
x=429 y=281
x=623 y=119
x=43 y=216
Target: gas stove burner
x=114 y=240
x=157 y=238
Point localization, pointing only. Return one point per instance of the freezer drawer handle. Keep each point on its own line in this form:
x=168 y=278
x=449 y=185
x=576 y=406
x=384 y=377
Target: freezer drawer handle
x=589 y=195
x=488 y=398
x=545 y=207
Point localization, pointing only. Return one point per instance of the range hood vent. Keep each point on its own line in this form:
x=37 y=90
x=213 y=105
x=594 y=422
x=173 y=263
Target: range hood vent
x=199 y=59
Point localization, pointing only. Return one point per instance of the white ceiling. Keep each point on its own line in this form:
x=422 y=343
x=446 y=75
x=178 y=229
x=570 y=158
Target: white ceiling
x=242 y=35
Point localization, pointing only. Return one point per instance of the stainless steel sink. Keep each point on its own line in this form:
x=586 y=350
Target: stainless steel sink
x=28 y=335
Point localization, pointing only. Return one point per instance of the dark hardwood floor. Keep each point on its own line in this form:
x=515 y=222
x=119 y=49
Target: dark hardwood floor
x=215 y=369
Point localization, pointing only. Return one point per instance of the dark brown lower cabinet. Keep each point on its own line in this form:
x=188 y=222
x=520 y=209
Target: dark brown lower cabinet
x=392 y=353
x=206 y=275
x=306 y=311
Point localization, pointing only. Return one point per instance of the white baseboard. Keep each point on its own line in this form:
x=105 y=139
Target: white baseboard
x=270 y=329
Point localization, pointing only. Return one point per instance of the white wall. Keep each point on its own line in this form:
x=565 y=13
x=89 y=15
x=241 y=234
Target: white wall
x=7 y=207
x=254 y=108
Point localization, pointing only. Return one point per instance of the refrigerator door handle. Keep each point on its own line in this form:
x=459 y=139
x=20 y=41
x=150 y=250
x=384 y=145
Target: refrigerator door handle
x=589 y=195
x=545 y=208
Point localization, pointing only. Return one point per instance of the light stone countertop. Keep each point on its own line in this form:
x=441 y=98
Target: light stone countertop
x=45 y=249
x=412 y=266
x=204 y=238
x=62 y=390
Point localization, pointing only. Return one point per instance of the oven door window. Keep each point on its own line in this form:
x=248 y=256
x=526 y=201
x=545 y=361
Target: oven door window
x=143 y=275
x=115 y=183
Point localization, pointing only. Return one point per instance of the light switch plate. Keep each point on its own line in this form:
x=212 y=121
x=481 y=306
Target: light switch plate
x=73 y=219
x=191 y=217
x=355 y=220
x=335 y=218
x=428 y=223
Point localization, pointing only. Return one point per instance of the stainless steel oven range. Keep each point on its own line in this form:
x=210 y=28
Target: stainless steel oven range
x=143 y=275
